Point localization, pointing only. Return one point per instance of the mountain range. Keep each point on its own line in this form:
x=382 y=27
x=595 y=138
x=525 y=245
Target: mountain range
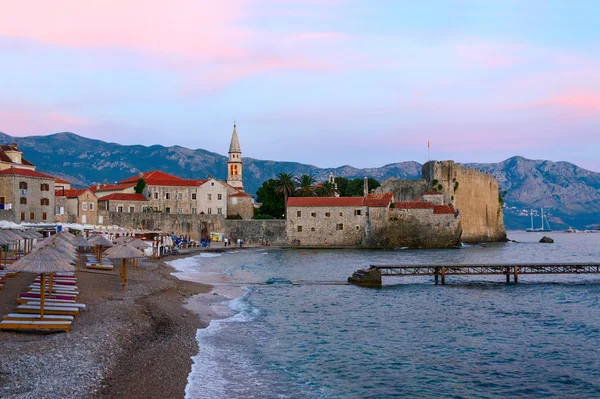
x=570 y=194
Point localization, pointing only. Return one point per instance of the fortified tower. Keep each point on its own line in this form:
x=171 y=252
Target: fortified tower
x=234 y=165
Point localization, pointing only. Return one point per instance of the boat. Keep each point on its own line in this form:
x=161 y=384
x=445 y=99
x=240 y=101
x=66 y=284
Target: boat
x=570 y=230
x=542 y=229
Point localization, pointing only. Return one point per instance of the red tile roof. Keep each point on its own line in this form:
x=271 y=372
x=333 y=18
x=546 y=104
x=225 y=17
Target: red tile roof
x=61 y=181
x=111 y=187
x=432 y=192
x=414 y=205
x=25 y=172
x=72 y=193
x=5 y=158
x=325 y=201
x=123 y=197
x=443 y=210
x=158 y=178
x=241 y=194
x=380 y=199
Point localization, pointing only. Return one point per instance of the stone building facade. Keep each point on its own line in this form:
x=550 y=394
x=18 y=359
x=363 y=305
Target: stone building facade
x=80 y=206
x=28 y=194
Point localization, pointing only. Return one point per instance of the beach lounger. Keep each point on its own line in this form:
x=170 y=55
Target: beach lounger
x=56 y=287
x=30 y=295
x=23 y=316
x=58 y=282
x=99 y=267
x=54 y=292
x=35 y=325
x=80 y=306
x=48 y=310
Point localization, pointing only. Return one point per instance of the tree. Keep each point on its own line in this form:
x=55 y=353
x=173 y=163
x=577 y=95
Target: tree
x=272 y=203
x=356 y=187
x=343 y=185
x=326 y=189
x=139 y=187
x=285 y=186
x=305 y=185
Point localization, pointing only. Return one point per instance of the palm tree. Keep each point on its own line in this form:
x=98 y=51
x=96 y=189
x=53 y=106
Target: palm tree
x=285 y=186
x=326 y=189
x=305 y=186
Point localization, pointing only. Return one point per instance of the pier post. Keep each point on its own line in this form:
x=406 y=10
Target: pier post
x=436 y=272
x=507 y=278
x=516 y=274
x=443 y=275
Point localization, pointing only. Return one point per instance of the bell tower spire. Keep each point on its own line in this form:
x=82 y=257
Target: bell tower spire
x=234 y=165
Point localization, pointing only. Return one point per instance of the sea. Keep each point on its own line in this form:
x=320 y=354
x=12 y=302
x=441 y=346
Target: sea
x=311 y=335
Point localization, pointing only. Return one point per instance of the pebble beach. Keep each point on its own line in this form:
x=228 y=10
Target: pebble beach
x=132 y=344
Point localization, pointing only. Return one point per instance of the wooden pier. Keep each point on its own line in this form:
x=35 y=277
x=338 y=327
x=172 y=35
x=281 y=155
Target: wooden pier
x=372 y=276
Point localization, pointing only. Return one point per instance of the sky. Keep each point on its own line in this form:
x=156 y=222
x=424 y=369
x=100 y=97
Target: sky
x=324 y=82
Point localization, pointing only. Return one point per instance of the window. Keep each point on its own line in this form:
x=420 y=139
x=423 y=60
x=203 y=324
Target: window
x=357 y=212
x=23 y=185
x=131 y=209
x=44 y=187
x=341 y=213
x=179 y=195
x=45 y=201
x=22 y=216
x=155 y=195
x=299 y=229
x=299 y=214
x=2 y=200
x=193 y=196
x=84 y=206
x=60 y=210
x=179 y=211
x=193 y=211
x=209 y=211
x=219 y=211
x=168 y=196
x=31 y=215
x=328 y=214
x=167 y=210
x=313 y=214
x=44 y=216
x=23 y=201
x=339 y=226
x=212 y=184
x=120 y=209
x=209 y=196
x=312 y=229
x=219 y=197
x=357 y=227
x=91 y=207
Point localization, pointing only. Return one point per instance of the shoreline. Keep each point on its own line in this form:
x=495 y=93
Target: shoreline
x=136 y=344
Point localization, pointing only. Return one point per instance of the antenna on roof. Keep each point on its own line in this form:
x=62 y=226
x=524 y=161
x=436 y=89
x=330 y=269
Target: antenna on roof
x=428 y=147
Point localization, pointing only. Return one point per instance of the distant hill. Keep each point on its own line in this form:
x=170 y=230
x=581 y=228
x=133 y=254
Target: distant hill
x=571 y=194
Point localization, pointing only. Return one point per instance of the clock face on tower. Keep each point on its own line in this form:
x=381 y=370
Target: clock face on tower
x=16 y=159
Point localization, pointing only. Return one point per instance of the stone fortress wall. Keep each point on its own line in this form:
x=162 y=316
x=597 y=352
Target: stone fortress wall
x=474 y=194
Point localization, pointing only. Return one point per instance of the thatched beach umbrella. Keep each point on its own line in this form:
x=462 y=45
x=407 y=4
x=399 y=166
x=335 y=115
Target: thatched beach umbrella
x=6 y=240
x=62 y=249
x=123 y=239
x=26 y=240
x=138 y=244
x=79 y=243
x=123 y=252
x=99 y=241
x=45 y=260
x=11 y=234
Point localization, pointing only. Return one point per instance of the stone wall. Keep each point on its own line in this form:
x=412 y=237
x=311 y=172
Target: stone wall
x=242 y=206
x=474 y=194
x=415 y=228
x=312 y=227
x=8 y=215
x=257 y=231
x=404 y=190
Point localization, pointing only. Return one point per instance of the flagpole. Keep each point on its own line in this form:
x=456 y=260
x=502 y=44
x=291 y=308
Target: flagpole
x=428 y=157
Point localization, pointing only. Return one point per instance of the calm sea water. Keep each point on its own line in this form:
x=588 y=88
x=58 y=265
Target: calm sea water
x=473 y=338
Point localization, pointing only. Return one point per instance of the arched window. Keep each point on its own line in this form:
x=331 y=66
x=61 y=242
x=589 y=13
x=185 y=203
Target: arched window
x=23 y=185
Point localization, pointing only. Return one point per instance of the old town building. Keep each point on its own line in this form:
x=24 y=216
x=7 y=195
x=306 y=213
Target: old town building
x=12 y=157
x=76 y=206
x=28 y=195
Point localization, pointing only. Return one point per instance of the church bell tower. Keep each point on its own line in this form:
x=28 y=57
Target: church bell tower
x=234 y=165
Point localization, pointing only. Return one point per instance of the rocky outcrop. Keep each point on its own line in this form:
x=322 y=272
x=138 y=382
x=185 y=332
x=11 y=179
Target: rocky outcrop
x=546 y=240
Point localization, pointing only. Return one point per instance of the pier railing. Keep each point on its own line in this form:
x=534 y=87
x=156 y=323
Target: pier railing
x=372 y=276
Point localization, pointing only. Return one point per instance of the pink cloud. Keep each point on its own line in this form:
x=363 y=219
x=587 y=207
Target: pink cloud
x=22 y=122
x=582 y=102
